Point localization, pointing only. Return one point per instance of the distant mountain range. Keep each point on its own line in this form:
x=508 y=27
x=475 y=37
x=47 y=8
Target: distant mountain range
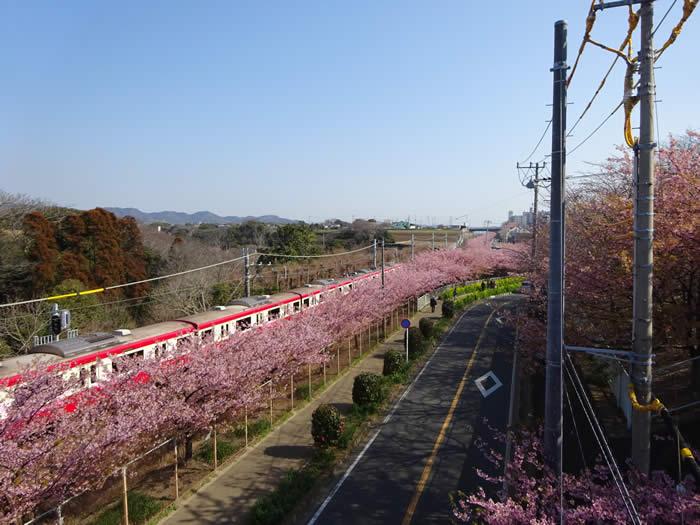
x=178 y=217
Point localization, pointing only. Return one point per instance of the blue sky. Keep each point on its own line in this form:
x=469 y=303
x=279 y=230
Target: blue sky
x=305 y=109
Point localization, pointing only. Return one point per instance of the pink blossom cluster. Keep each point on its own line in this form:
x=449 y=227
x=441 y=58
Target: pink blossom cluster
x=54 y=446
x=589 y=497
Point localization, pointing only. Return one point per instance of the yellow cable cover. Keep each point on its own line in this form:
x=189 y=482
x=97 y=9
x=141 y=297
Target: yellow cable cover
x=654 y=406
x=688 y=8
x=590 y=22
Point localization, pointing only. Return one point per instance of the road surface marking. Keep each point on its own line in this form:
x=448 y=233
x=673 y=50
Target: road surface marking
x=486 y=392
x=330 y=496
x=408 y=517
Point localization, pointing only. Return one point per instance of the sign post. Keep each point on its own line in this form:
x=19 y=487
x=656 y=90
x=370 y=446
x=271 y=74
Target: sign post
x=406 y=324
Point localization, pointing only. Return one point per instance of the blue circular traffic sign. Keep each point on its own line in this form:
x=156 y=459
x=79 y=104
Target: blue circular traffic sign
x=405 y=323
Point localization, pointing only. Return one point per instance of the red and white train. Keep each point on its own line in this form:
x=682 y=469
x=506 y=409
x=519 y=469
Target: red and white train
x=91 y=356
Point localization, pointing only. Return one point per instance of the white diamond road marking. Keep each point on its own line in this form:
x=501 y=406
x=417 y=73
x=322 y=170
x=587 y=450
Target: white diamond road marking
x=496 y=384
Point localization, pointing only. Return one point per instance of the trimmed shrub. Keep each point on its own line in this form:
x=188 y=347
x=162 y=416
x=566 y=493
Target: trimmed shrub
x=327 y=425
x=367 y=389
x=426 y=327
x=416 y=343
x=393 y=361
x=448 y=309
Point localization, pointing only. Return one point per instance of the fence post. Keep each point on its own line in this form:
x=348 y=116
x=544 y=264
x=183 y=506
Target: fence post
x=270 y=403
x=245 y=408
x=177 y=481
x=337 y=350
x=291 y=383
x=215 y=449
x=309 y=381
x=59 y=510
x=125 y=500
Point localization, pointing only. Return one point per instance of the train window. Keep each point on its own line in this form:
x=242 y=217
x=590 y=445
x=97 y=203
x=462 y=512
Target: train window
x=243 y=324
x=206 y=334
x=297 y=306
x=306 y=302
x=273 y=314
x=115 y=367
x=93 y=374
x=84 y=377
x=137 y=355
x=260 y=318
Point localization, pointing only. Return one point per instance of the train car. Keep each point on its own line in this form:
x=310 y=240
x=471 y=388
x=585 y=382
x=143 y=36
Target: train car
x=91 y=356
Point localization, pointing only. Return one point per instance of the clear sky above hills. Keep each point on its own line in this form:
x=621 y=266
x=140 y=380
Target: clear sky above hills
x=305 y=109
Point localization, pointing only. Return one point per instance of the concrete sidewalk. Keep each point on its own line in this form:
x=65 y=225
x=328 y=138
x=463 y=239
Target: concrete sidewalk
x=229 y=497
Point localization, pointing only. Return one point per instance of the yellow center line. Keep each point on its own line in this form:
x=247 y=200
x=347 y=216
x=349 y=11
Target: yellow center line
x=408 y=517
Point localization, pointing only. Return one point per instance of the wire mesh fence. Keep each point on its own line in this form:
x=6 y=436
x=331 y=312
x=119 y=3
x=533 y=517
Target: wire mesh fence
x=154 y=480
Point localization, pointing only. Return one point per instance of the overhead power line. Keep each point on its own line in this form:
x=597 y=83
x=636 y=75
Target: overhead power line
x=118 y=286
x=544 y=133
x=617 y=108
x=313 y=256
x=599 y=435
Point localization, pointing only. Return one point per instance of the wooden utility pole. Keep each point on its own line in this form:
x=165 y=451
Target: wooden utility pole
x=555 y=290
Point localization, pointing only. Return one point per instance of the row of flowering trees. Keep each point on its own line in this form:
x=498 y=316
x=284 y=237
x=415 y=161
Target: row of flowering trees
x=51 y=451
x=598 y=288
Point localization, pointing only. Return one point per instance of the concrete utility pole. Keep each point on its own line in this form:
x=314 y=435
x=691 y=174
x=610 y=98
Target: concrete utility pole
x=533 y=183
x=555 y=298
x=374 y=254
x=433 y=245
x=486 y=232
x=642 y=330
x=446 y=240
x=382 y=262
x=413 y=244
x=247 y=271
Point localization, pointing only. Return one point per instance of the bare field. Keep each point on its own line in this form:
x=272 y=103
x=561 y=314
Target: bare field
x=424 y=236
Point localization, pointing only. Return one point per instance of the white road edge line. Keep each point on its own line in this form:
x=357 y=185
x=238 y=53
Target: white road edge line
x=347 y=473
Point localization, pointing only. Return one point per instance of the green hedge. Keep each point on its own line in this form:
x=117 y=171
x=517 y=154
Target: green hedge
x=326 y=425
x=393 y=361
x=511 y=283
x=416 y=342
x=503 y=286
x=367 y=389
x=448 y=309
x=426 y=325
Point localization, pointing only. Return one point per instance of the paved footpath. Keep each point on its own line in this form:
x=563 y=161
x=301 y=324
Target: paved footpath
x=427 y=446
x=229 y=497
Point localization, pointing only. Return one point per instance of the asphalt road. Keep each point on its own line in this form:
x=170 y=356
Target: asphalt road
x=428 y=447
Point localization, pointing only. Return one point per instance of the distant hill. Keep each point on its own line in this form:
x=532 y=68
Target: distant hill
x=178 y=217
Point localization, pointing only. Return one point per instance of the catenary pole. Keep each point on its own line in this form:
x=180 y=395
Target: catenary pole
x=413 y=244
x=555 y=303
x=374 y=254
x=642 y=330
x=247 y=271
x=382 y=263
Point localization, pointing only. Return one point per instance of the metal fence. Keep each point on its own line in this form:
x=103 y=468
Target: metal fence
x=169 y=468
x=619 y=383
